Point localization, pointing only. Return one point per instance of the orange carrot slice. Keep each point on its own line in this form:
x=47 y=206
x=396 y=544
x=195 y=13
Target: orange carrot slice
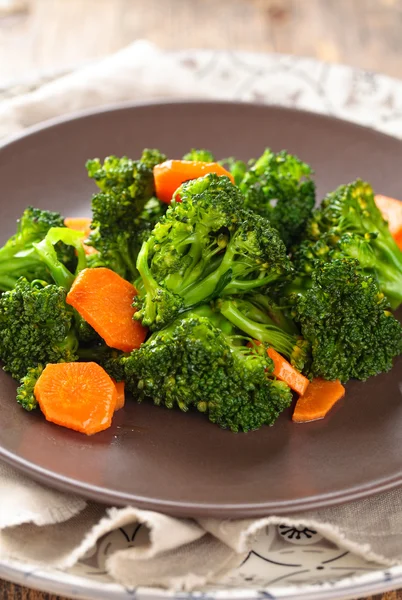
x=391 y=210
x=284 y=371
x=81 y=224
x=120 y=394
x=104 y=300
x=318 y=400
x=80 y=396
x=171 y=174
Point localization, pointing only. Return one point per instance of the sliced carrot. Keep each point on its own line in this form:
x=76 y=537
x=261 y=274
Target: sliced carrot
x=391 y=210
x=80 y=396
x=120 y=394
x=283 y=370
x=78 y=223
x=318 y=400
x=104 y=300
x=171 y=174
x=81 y=224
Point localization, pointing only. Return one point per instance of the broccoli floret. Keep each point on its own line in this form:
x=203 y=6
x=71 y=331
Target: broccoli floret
x=279 y=187
x=199 y=155
x=347 y=320
x=250 y=317
x=237 y=168
x=18 y=257
x=36 y=327
x=207 y=245
x=25 y=392
x=125 y=210
x=352 y=224
x=199 y=361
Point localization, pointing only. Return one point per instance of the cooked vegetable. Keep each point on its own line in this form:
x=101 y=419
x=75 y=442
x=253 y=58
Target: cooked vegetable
x=81 y=224
x=36 y=327
x=120 y=395
x=18 y=257
x=279 y=187
x=199 y=361
x=346 y=319
x=200 y=155
x=285 y=372
x=80 y=396
x=170 y=175
x=105 y=301
x=391 y=210
x=25 y=392
x=121 y=214
x=205 y=246
x=350 y=220
x=318 y=400
x=249 y=318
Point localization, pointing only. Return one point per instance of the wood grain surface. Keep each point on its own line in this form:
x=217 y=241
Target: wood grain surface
x=55 y=35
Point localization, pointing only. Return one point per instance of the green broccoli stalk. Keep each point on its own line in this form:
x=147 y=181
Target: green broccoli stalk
x=255 y=322
x=125 y=210
x=346 y=319
x=279 y=187
x=200 y=361
x=18 y=257
x=207 y=245
x=352 y=224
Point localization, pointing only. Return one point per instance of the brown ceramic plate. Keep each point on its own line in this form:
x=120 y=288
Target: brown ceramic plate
x=179 y=463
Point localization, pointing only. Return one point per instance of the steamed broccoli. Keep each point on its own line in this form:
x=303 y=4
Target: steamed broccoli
x=279 y=187
x=25 y=391
x=350 y=222
x=207 y=245
x=199 y=361
x=18 y=257
x=36 y=325
x=346 y=318
x=253 y=319
x=125 y=210
x=199 y=155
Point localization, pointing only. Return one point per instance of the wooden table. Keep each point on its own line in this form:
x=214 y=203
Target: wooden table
x=52 y=35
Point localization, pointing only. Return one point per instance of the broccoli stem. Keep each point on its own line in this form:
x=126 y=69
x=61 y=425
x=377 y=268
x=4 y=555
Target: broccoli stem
x=149 y=283
x=48 y=255
x=263 y=332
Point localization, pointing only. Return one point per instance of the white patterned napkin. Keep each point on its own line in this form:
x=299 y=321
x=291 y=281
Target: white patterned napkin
x=45 y=527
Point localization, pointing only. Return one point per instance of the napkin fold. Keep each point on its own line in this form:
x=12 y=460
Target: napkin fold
x=43 y=527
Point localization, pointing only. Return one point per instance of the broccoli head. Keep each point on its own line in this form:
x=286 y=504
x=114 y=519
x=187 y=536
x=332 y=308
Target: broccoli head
x=36 y=327
x=25 y=392
x=351 y=223
x=124 y=211
x=18 y=257
x=279 y=187
x=207 y=245
x=199 y=155
x=199 y=361
x=347 y=320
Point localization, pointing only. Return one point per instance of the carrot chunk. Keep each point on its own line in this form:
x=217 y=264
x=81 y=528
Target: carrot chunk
x=80 y=396
x=171 y=174
x=391 y=210
x=104 y=300
x=284 y=371
x=320 y=397
x=81 y=224
x=120 y=394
